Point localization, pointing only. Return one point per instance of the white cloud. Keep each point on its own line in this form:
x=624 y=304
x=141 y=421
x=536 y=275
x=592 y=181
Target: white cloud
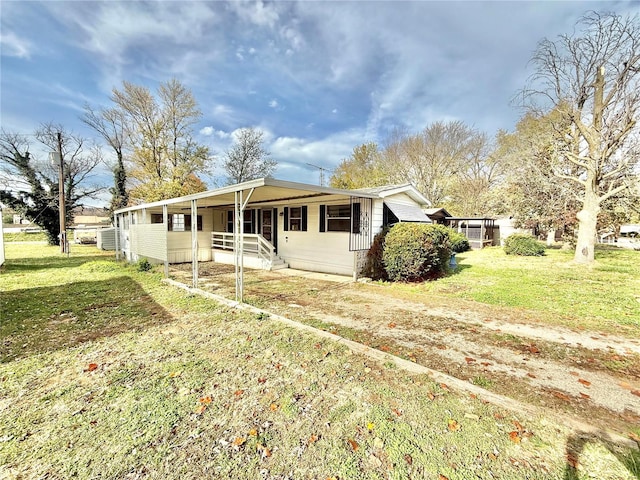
x=207 y=131
x=13 y=46
x=273 y=103
x=258 y=13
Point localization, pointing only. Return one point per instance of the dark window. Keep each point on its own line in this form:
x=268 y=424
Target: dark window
x=388 y=217
x=338 y=218
x=295 y=218
x=156 y=218
x=179 y=222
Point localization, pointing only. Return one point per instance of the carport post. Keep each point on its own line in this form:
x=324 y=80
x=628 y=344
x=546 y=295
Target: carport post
x=116 y=222
x=165 y=222
x=194 y=242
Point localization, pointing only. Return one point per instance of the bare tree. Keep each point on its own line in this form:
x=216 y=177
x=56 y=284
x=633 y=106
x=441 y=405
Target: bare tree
x=30 y=185
x=110 y=125
x=247 y=159
x=433 y=159
x=592 y=77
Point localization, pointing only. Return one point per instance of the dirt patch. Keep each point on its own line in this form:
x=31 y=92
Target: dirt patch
x=589 y=375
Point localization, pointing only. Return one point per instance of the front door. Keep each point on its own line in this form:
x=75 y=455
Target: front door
x=267 y=224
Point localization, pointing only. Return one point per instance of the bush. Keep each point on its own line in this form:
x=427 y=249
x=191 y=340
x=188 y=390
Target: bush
x=415 y=251
x=459 y=243
x=526 y=245
x=374 y=266
x=143 y=265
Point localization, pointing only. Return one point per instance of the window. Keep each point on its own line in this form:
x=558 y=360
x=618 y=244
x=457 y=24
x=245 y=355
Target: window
x=295 y=218
x=179 y=222
x=248 y=219
x=156 y=218
x=338 y=218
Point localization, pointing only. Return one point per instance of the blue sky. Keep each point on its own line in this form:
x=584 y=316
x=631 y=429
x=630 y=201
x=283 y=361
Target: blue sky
x=318 y=77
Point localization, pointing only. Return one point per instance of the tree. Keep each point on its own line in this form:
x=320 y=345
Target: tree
x=31 y=185
x=432 y=159
x=362 y=169
x=531 y=193
x=159 y=131
x=110 y=125
x=247 y=159
x=592 y=78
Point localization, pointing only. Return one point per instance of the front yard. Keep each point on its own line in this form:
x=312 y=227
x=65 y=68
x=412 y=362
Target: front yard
x=106 y=372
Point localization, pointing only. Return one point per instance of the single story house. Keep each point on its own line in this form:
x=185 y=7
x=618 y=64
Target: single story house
x=480 y=231
x=266 y=223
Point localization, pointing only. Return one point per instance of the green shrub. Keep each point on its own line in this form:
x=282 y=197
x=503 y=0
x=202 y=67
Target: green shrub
x=374 y=266
x=416 y=251
x=459 y=243
x=143 y=265
x=525 y=245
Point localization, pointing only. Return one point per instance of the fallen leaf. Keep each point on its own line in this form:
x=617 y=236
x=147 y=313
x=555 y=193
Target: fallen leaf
x=175 y=374
x=531 y=375
x=634 y=437
x=625 y=385
x=279 y=365
x=444 y=386
x=370 y=426
x=391 y=325
x=273 y=407
x=318 y=346
x=253 y=432
x=200 y=409
x=584 y=395
x=453 y=425
x=312 y=439
x=575 y=374
x=636 y=393
x=431 y=396
x=205 y=400
x=498 y=416
x=561 y=396
x=486 y=364
x=238 y=393
x=586 y=383
x=442 y=477
x=384 y=348
x=514 y=437
x=572 y=460
x=396 y=411
x=473 y=395
x=239 y=441
x=518 y=426
x=91 y=367
x=408 y=458
x=353 y=444
x=441 y=347
x=534 y=349
x=469 y=360
x=262 y=380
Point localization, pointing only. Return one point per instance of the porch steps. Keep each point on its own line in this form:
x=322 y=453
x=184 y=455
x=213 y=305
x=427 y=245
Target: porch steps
x=279 y=263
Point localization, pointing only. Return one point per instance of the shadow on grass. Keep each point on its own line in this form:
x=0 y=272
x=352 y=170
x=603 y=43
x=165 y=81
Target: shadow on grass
x=37 y=320
x=629 y=457
x=41 y=263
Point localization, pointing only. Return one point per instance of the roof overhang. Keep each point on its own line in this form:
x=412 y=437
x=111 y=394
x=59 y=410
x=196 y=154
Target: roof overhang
x=407 y=189
x=408 y=213
x=264 y=190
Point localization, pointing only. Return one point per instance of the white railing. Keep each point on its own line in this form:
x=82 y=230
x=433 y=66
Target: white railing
x=252 y=243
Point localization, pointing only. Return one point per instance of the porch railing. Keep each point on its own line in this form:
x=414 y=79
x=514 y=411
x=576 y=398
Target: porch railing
x=252 y=243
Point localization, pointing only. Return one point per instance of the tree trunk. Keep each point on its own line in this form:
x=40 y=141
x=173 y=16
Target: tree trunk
x=588 y=219
x=551 y=236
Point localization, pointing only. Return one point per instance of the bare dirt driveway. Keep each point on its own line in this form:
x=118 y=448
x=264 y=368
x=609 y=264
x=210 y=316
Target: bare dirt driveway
x=589 y=376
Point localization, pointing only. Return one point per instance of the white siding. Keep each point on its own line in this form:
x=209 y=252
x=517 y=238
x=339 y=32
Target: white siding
x=326 y=252
x=1 y=243
x=148 y=241
x=401 y=198
x=106 y=238
x=179 y=243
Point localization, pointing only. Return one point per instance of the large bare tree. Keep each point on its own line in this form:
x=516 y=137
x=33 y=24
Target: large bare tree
x=592 y=77
x=30 y=184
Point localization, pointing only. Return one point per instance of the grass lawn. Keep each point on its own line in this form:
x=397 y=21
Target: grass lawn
x=106 y=372
x=603 y=297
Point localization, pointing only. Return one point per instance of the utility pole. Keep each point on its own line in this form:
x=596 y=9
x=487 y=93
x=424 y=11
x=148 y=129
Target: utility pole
x=61 y=208
x=322 y=170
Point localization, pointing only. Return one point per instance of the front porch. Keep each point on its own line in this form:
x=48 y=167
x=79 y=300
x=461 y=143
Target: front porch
x=258 y=252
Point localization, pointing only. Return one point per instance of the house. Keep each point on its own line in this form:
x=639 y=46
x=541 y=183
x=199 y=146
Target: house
x=266 y=223
x=437 y=215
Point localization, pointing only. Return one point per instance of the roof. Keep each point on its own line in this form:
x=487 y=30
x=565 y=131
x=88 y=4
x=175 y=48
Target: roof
x=407 y=213
x=264 y=190
x=388 y=190
x=433 y=211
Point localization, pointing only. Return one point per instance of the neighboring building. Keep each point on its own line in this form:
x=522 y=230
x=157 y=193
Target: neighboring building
x=282 y=224
x=480 y=231
x=437 y=215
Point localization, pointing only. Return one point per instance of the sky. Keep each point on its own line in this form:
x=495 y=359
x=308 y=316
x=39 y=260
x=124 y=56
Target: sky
x=317 y=77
